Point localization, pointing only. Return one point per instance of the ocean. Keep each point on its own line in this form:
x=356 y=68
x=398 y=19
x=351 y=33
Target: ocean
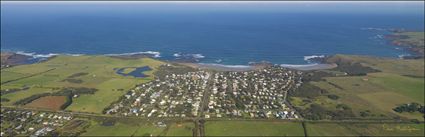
x=230 y=33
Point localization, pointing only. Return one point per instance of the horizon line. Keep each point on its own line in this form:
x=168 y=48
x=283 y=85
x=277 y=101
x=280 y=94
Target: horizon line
x=213 y=2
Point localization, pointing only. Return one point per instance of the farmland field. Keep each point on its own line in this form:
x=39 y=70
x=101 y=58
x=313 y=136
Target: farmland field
x=180 y=129
x=350 y=129
x=373 y=95
x=126 y=128
x=76 y=71
x=48 y=102
x=247 y=128
x=118 y=129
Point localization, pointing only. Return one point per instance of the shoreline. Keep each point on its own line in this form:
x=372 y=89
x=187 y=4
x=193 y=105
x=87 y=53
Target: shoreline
x=307 y=67
x=316 y=62
x=29 y=58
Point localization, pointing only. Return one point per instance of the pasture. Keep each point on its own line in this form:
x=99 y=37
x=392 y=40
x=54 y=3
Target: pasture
x=399 y=82
x=359 y=129
x=63 y=71
x=253 y=128
x=139 y=128
x=378 y=93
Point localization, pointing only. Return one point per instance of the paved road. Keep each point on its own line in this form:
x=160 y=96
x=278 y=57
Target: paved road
x=199 y=126
x=213 y=119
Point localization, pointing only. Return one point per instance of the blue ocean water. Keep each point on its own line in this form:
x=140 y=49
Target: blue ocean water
x=214 y=32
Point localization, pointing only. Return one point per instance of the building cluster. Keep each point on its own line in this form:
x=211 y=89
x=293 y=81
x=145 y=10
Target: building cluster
x=24 y=122
x=252 y=94
x=177 y=95
x=249 y=94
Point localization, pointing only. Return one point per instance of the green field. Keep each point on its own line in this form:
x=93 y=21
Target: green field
x=354 y=129
x=180 y=129
x=48 y=76
x=253 y=128
x=399 y=82
x=118 y=129
x=138 y=129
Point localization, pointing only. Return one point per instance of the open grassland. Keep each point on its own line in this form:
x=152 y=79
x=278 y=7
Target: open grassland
x=48 y=102
x=13 y=97
x=180 y=129
x=122 y=128
x=411 y=67
x=59 y=72
x=118 y=129
x=373 y=95
x=353 y=129
x=251 y=128
x=148 y=130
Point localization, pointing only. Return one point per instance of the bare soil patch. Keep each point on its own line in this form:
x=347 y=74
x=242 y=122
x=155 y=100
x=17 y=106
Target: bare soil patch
x=48 y=102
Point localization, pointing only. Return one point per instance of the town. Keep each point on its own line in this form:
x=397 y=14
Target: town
x=34 y=123
x=209 y=94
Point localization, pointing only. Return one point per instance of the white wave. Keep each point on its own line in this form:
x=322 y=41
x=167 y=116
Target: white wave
x=371 y=28
x=198 y=56
x=25 y=53
x=403 y=55
x=34 y=55
x=75 y=55
x=154 y=54
x=314 y=66
x=176 y=55
x=218 y=60
x=298 y=66
x=306 y=58
x=44 y=55
x=224 y=66
x=195 y=56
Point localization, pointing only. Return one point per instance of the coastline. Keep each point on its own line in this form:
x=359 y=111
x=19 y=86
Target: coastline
x=307 y=67
x=29 y=58
x=221 y=67
x=412 y=41
x=409 y=40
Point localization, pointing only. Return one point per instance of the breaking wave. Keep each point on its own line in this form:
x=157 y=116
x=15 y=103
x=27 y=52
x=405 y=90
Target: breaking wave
x=154 y=54
x=314 y=66
x=297 y=66
x=198 y=56
x=224 y=66
x=307 y=58
x=177 y=55
x=372 y=28
x=195 y=56
x=34 y=55
x=403 y=55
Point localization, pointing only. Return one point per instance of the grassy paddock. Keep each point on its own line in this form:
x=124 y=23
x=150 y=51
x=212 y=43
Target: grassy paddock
x=350 y=129
x=399 y=82
x=100 y=75
x=138 y=128
x=253 y=128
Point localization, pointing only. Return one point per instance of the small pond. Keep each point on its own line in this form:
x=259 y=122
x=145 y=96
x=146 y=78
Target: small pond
x=137 y=72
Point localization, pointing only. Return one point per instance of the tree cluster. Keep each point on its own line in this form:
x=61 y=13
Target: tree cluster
x=412 y=107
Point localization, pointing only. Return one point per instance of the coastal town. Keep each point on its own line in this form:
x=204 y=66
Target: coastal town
x=212 y=68
x=210 y=94
x=33 y=123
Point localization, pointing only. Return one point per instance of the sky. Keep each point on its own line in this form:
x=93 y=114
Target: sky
x=215 y=6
